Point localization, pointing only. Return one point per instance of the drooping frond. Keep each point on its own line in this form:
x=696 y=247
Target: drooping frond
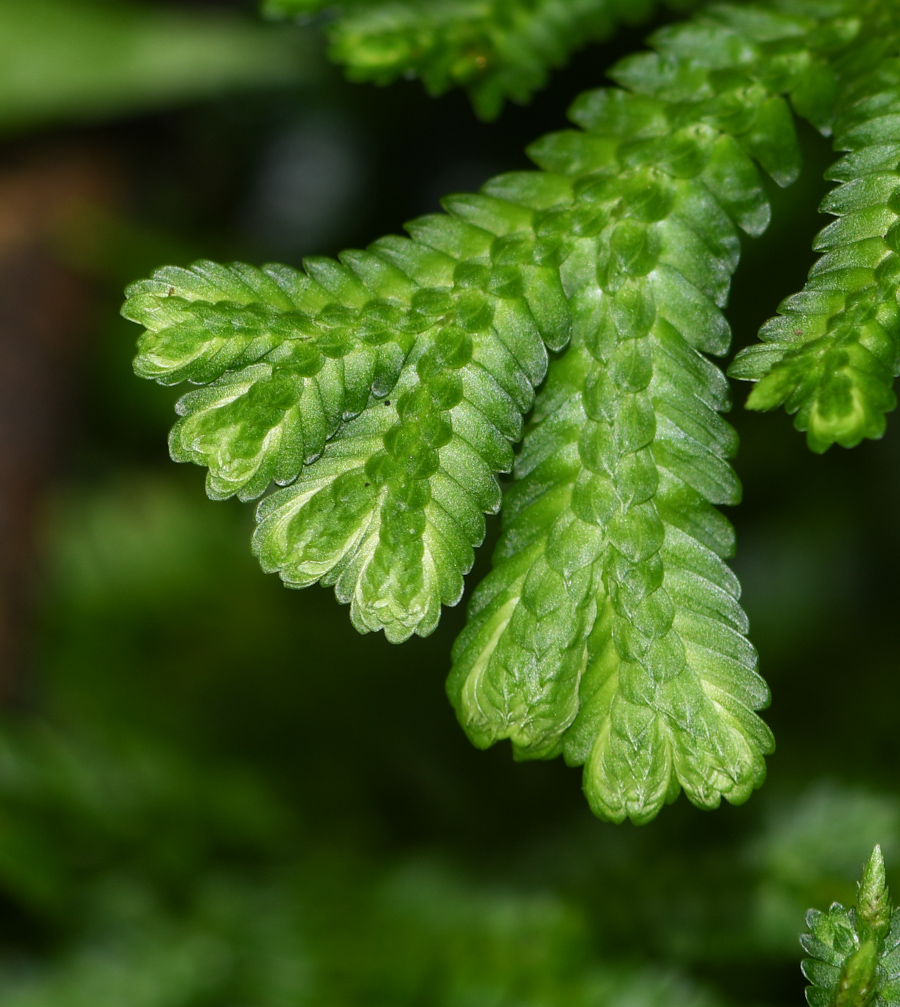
x=497 y=49
x=855 y=953
x=388 y=506
x=832 y=353
x=388 y=388
x=610 y=628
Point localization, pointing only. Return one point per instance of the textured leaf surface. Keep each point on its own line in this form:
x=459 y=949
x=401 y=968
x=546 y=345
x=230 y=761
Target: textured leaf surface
x=855 y=953
x=496 y=49
x=610 y=629
x=388 y=388
x=832 y=353
x=281 y=363
x=388 y=506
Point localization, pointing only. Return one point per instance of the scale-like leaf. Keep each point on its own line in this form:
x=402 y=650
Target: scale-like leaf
x=284 y=357
x=610 y=628
x=388 y=389
x=855 y=953
x=388 y=507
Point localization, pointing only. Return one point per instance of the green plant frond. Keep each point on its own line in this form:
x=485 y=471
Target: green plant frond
x=832 y=353
x=610 y=628
x=855 y=953
x=518 y=662
x=389 y=506
x=284 y=357
x=496 y=49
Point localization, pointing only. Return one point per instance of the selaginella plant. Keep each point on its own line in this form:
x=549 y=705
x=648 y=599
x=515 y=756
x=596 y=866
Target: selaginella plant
x=573 y=308
x=855 y=953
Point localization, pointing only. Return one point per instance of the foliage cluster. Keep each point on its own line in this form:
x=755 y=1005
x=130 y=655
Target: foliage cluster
x=384 y=390
x=191 y=822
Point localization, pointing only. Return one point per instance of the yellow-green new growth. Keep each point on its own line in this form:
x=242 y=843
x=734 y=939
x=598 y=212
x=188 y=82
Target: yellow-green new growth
x=873 y=900
x=855 y=954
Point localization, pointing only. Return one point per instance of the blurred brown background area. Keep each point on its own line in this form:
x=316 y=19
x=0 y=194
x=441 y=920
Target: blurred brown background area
x=44 y=327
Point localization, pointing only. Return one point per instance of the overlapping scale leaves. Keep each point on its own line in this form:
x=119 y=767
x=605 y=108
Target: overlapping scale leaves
x=284 y=357
x=384 y=391
x=855 y=953
x=496 y=49
x=610 y=629
x=832 y=353
x=387 y=388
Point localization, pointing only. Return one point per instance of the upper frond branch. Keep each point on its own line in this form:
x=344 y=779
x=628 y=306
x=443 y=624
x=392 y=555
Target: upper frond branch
x=610 y=629
x=833 y=351
x=496 y=49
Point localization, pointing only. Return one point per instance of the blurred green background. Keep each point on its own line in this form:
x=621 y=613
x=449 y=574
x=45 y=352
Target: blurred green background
x=213 y=792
